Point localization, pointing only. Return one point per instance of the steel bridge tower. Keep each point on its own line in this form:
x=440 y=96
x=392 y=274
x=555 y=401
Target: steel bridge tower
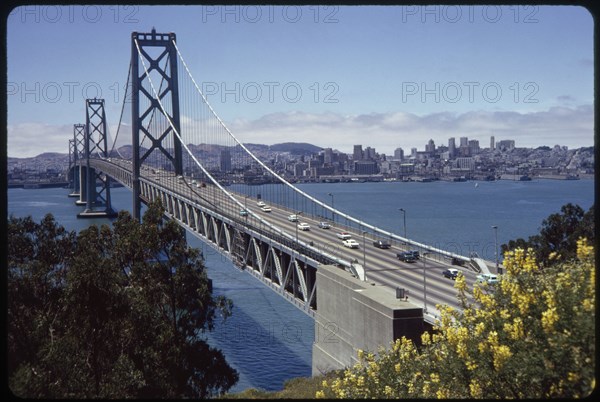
x=150 y=44
x=78 y=168
x=70 y=169
x=95 y=143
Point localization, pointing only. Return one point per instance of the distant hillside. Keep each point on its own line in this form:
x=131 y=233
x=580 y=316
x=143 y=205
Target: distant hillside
x=300 y=148
x=295 y=148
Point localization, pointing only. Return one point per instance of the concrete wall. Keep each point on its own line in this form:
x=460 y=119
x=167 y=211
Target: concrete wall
x=352 y=314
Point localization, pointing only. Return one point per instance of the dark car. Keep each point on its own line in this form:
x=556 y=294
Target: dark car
x=406 y=256
x=415 y=253
x=381 y=244
x=451 y=273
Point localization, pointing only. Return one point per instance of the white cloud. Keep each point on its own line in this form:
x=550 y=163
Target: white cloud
x=385 y=132
x=31 y=139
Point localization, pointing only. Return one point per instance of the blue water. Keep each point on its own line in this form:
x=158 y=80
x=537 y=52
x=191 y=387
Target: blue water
x=267 y=339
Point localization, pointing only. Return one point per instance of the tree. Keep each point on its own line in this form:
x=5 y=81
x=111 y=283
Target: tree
x=111 y=313
x=530 y=336
x=558 y=235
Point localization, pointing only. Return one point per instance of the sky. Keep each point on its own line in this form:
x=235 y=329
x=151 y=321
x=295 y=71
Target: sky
x=333 y=76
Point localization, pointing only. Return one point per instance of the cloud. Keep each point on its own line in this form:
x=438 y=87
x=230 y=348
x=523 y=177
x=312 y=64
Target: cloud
x=571 y=126
x=387 y=131
x=31 y=139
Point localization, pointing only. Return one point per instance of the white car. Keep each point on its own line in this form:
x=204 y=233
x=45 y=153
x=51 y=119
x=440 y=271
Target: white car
x=265 y=208
x=350 y=243
x=344 y=235
x=303 y=226
x=293 y=218
x=489 y=278
x=261 y=204
x=324 y=225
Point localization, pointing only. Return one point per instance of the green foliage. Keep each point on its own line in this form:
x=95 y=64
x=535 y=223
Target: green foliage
x=558 y=235
x=295 y=388
x=111 y=313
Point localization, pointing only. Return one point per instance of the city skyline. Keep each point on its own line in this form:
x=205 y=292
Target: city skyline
x=330 y=76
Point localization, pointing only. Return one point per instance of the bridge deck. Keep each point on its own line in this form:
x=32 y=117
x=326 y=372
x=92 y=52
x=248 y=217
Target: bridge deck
x=382 y=267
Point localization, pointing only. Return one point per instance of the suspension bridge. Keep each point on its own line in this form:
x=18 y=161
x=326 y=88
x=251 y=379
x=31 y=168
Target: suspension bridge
x=171 y=145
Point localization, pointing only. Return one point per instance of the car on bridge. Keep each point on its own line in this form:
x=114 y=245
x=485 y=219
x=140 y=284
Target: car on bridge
x=415 y=253
x=490 y=279
x=303 y=226
x=344 y=235
x=382 y=244
x=324 y=225
x=261 y=204
x=243 y=212
x=451 y=273
x=350 y=243
x=293 y=218
x=406 y=256
x=265 y=208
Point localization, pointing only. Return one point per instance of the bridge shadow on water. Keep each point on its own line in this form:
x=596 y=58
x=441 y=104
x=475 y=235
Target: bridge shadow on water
x=267 y=339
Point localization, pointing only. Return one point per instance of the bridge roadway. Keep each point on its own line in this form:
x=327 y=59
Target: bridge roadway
x=382 y=267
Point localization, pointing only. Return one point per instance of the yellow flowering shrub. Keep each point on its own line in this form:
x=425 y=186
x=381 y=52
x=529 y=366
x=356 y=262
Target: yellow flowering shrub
x=531 y=337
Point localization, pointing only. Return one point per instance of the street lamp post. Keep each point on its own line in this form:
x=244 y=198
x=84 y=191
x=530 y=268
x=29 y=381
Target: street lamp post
x=404 y=219
x=364 y=251
x=297 y=222
x=424 y=287
x=495 y=227
x=332 y=212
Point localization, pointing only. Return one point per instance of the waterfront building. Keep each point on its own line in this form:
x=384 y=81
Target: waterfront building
x=365 y=167
x=399 y=154
x=465 y=163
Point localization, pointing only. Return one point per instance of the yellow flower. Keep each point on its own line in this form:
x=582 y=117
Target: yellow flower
x=515 y=330
x=397 y=368
x=387 y=391
x=501 y=354
x=320 y=395
x=549 y=318
x=475 y=389
x=479 y=328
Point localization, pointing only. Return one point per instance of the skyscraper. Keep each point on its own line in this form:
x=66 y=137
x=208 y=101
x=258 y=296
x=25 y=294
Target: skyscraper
x=328 y=156
x=492 y=143
x=225 y=161
x=358 y=153
x=430 y=147
x=399 y=154
x=451 y=147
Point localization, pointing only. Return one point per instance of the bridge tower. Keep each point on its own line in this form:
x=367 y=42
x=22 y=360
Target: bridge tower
x=76 y=149
x=95 y=144
x=159 y=56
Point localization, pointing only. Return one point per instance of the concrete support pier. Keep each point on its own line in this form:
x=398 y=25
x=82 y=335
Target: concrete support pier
x=97 y=214
x=353 y=314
